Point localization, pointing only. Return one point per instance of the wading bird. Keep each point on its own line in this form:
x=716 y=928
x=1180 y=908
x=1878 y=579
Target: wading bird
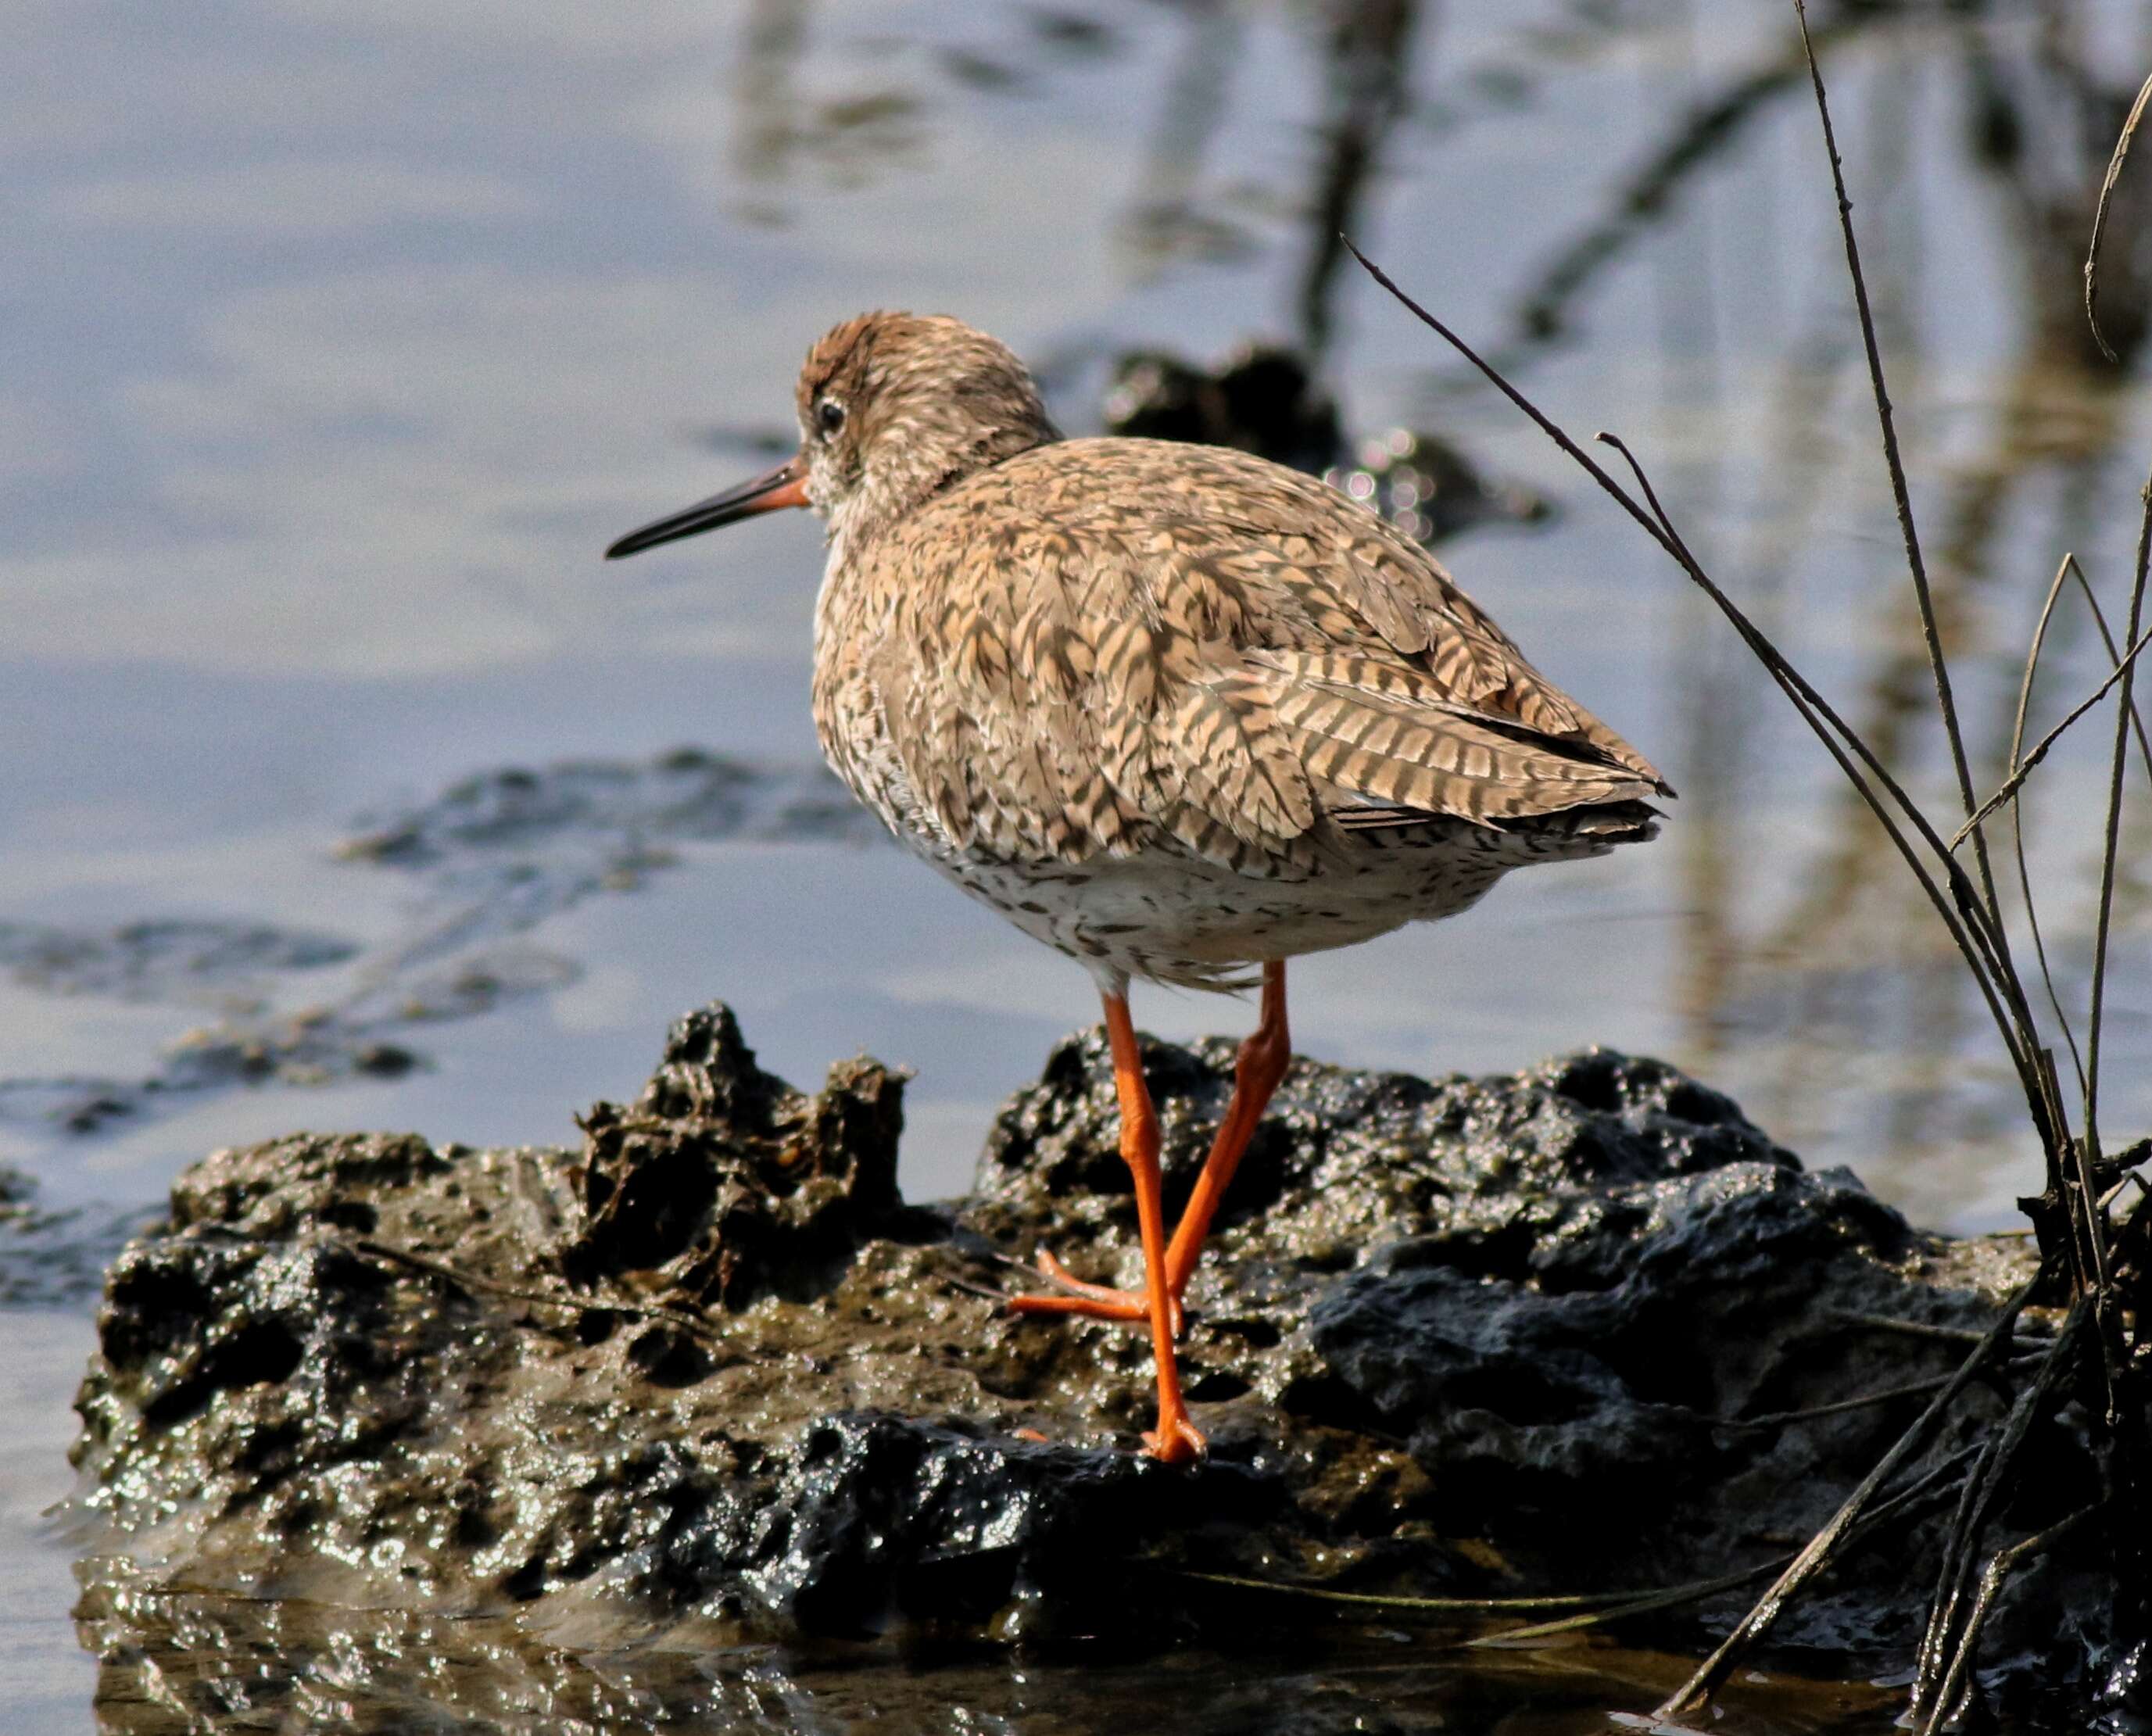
x=1178 y=712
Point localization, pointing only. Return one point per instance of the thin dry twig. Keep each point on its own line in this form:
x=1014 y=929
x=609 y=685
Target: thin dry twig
x=1641 y=1604
x=2099 y=218
x=1978 y=940
x=1909 y=1499
x=1425 y=1606
x=2128 y=1443
x=1820 y=1549
x=2010 y=785
x=1984 y=1488
x=1774 y=1419
x=1944 y=1708
x=1938 y=665
x=1928 y=1329
x=1593 y=1609
x=2107 y=639
x=2047 y=1110
x=2114 y=1351
x=2093 y=1024
x=2069 y=563
x=1974 y=934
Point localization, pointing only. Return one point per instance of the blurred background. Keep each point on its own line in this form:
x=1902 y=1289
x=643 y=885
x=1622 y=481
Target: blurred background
x=341 y=785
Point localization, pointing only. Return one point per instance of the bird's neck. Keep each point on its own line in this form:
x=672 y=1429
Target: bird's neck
x=917 y=469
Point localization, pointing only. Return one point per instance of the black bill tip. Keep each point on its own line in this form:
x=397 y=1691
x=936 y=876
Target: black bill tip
x=770 y=492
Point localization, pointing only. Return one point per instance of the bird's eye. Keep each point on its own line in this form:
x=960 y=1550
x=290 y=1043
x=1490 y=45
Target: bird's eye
x=829 y=416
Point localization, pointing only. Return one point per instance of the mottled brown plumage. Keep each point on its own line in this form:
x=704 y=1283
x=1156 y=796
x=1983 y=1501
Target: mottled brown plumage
x=1174 y=710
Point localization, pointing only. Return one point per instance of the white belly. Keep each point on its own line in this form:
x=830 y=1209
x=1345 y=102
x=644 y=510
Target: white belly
x=1178 y=918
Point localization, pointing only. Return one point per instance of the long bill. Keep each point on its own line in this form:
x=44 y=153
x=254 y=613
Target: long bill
x=784 y=486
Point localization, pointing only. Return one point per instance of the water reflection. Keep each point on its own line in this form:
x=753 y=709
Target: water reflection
x=1167 y=221
x=185 y=1662
x=1854 y=956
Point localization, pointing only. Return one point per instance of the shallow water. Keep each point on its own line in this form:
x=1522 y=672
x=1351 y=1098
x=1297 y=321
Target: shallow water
x=340 y=341
x=1352 y=1680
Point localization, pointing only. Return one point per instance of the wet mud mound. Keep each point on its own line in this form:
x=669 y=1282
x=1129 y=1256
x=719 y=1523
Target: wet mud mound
x=1582 y=1329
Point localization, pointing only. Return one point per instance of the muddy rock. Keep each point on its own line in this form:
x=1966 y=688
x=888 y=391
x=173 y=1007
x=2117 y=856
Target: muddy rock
x=722 y=1184
x=1569 y=1330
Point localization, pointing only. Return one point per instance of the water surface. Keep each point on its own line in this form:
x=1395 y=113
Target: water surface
x=339 y=342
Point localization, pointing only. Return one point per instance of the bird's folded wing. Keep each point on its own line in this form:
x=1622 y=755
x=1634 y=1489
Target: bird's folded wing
x=1236 y=683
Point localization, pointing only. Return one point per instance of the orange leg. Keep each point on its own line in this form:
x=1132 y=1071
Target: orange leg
x=1094 y=1302
x=1262 y=1062
x=1174 y=1440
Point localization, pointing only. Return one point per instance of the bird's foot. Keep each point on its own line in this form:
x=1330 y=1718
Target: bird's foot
x=1175 y=1440
x=1094 y=1302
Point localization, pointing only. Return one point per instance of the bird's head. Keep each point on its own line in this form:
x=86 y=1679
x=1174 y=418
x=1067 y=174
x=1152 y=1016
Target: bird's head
x=893 y=408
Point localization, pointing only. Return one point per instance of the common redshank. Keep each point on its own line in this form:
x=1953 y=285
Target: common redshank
x=1179 y=712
